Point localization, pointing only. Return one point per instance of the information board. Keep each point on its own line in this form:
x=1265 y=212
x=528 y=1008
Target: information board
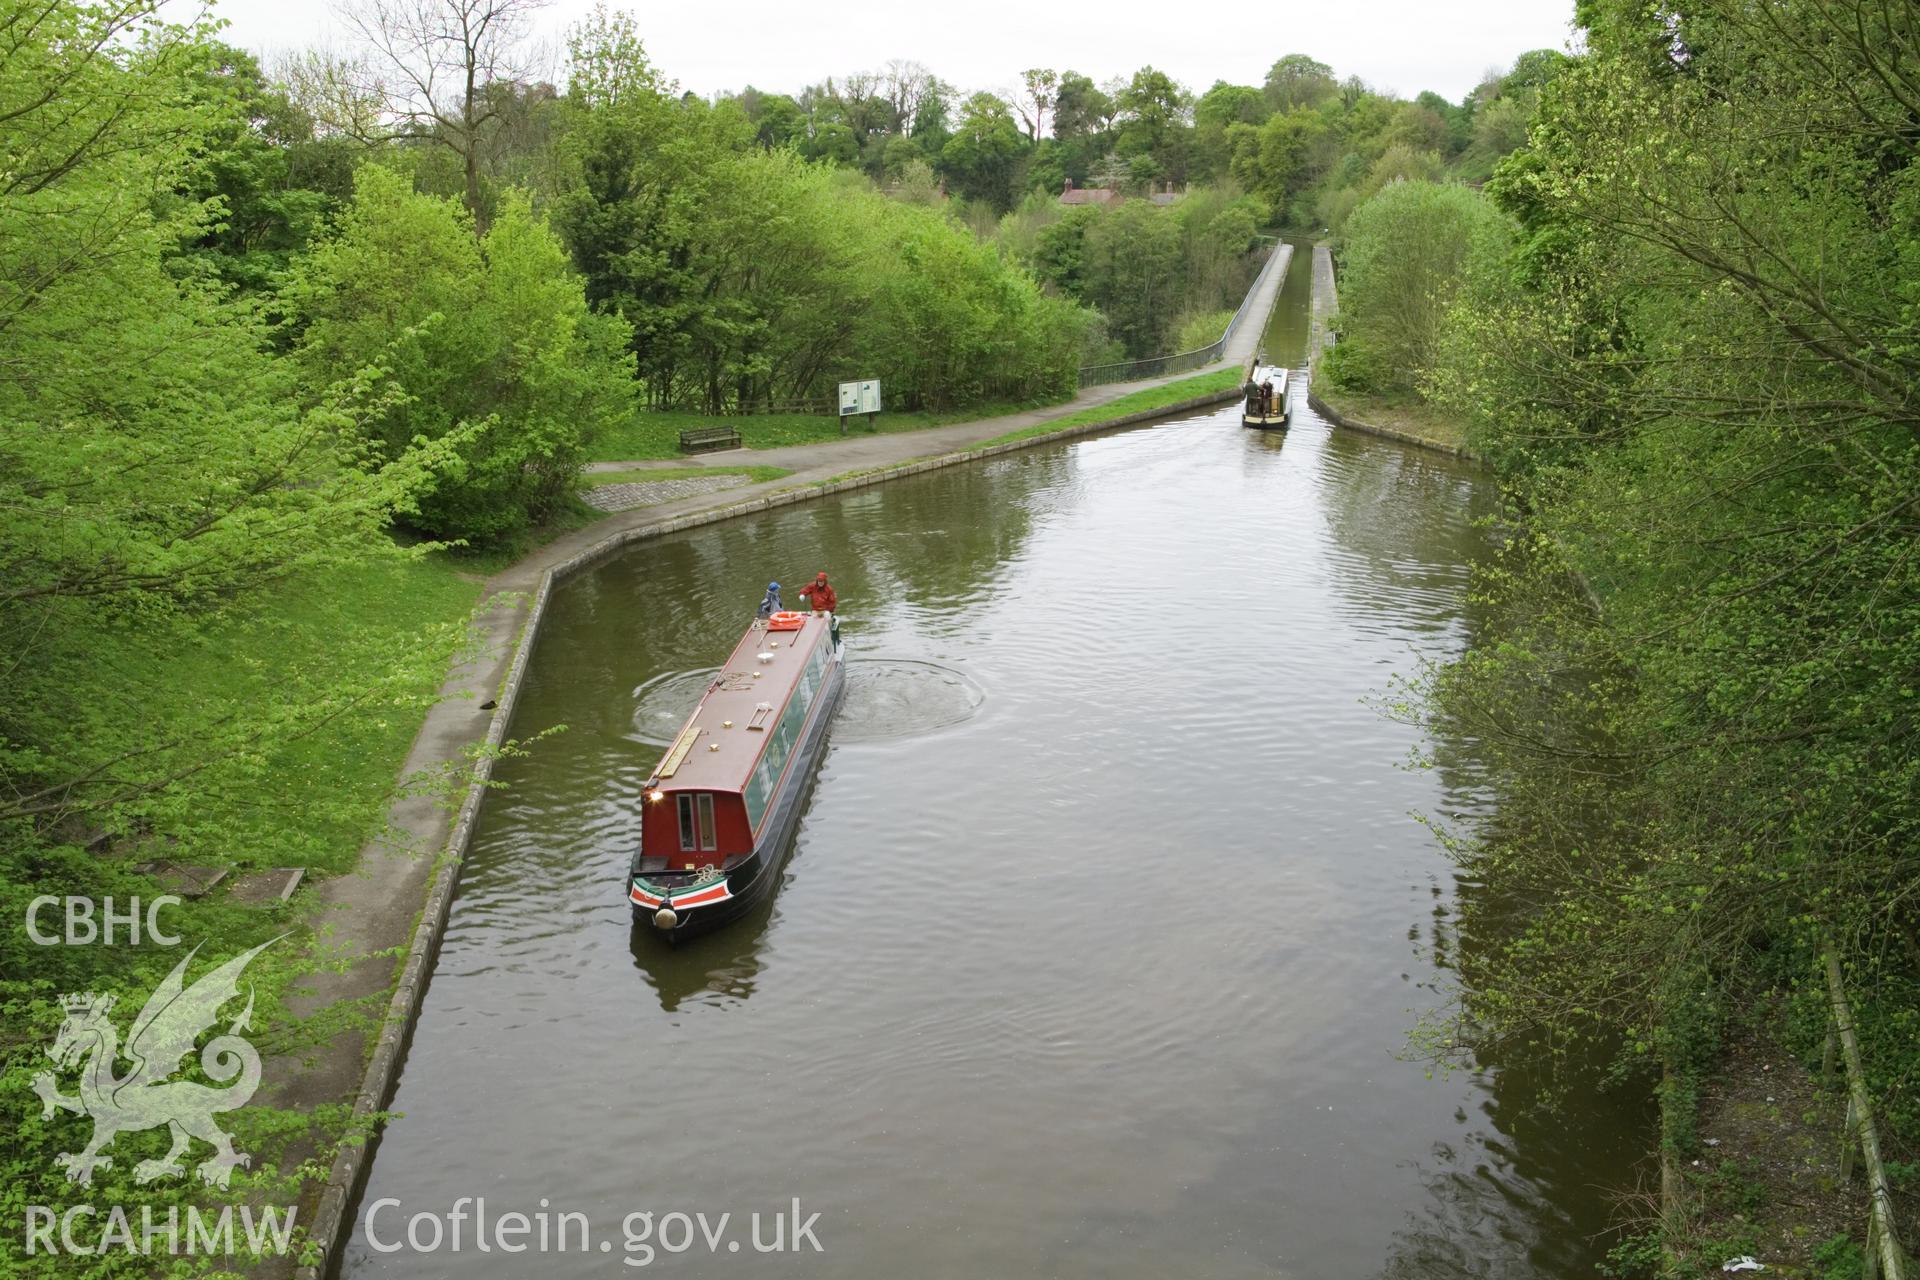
x=860 y=397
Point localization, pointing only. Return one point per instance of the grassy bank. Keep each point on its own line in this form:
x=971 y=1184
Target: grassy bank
x=1405 y=416
x=338 y=668
x=1754 y=1119
x=755 y=474
x=657 y=435
x=1138 y=402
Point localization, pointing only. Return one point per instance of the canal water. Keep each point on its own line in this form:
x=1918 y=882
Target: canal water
x=1107 y=919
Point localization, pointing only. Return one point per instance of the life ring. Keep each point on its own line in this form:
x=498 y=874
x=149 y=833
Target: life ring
x=786 y=620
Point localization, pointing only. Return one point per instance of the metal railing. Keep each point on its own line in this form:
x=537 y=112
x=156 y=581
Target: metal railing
x=1096 y=375
x=1885 y=1258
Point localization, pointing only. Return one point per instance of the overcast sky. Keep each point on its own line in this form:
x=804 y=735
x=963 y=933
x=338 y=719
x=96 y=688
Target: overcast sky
x=712 y=45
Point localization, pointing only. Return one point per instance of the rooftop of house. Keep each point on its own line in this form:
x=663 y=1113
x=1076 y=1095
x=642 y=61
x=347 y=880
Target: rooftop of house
x=1087 y=195
x=1071 y=194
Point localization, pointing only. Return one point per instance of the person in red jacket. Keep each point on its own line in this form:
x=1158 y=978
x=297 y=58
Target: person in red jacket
x=820 y=593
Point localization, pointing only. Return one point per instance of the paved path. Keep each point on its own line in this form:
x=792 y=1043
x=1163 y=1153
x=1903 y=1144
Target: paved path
x=861 y=451
x=372 y=913
x=1325 y=303
x=651 y=493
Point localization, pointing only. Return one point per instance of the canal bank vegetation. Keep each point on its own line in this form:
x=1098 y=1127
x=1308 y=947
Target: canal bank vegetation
x=1306 y=143
x=1408 y=255
x=1691 y=360
x=1396 y=187
x=1163 y=279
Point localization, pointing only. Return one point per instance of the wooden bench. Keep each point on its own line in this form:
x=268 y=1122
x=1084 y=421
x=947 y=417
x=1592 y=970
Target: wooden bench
x=699 y=439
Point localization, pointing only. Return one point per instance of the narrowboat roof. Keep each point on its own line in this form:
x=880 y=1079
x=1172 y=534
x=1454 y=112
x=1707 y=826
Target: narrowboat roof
x=745 y=684
x=1270 y=372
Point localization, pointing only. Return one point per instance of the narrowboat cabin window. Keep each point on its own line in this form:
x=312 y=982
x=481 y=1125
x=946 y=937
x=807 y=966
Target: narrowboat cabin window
x=697 y=830
x=759 y=788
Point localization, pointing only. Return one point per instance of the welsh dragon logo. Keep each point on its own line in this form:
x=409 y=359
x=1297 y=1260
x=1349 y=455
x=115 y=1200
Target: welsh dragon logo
x=144 y=1097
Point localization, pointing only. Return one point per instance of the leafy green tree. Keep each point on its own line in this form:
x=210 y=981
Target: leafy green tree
x=1407 y=252
x=1080 y=108
x=953 y=322
x=1133 y=260
x=777 y=119
x=161 y=473
x=1696 y=380
x=1039 y=87
x=1293 y=153
x=1154 y=112
x=156 y=456
x=982 y=157
x=486 y=342
x=1214 y=113
x=255 y=144
x=931 y=116
x=832 y=142
x=642 y=171
x=1299 y=81
x=1456 y=121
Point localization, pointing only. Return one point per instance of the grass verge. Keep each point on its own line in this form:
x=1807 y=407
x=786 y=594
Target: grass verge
x=755 y=474
x=355 y=653
x=657 y=435
x=1403 y=416
x=1138 y=402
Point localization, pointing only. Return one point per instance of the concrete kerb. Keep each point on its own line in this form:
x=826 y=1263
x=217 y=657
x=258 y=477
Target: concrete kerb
x=330 y=1226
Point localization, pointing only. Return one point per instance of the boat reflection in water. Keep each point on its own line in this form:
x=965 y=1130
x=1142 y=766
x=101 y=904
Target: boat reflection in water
x=721 y=807
x=720 y=970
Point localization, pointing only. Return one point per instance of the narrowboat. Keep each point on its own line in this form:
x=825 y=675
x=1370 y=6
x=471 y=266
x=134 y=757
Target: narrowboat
x=1267 y=402
x=719 y=811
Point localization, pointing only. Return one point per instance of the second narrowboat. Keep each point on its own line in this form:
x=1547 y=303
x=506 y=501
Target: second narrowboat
x=1267 y=400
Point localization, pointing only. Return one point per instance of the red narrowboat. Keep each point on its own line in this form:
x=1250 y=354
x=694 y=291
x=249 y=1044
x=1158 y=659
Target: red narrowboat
x=721 y=807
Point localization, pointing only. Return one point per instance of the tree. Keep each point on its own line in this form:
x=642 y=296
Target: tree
x=641 y=170
x=1214 y=114
x=341 y=93
x=158 y=464
x=255 y=138
x=930 y=114
x=1154 y=112
x=1040 y=88
x=909 y=87
x=1696 y=379
x=484 y=341
x=980 y=158
x=438 y=57
x=1226 y=104
x=1408 y=250
x=1291 y=157
x=1299 y=81
x=1080 y=109
x=1133 y=272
